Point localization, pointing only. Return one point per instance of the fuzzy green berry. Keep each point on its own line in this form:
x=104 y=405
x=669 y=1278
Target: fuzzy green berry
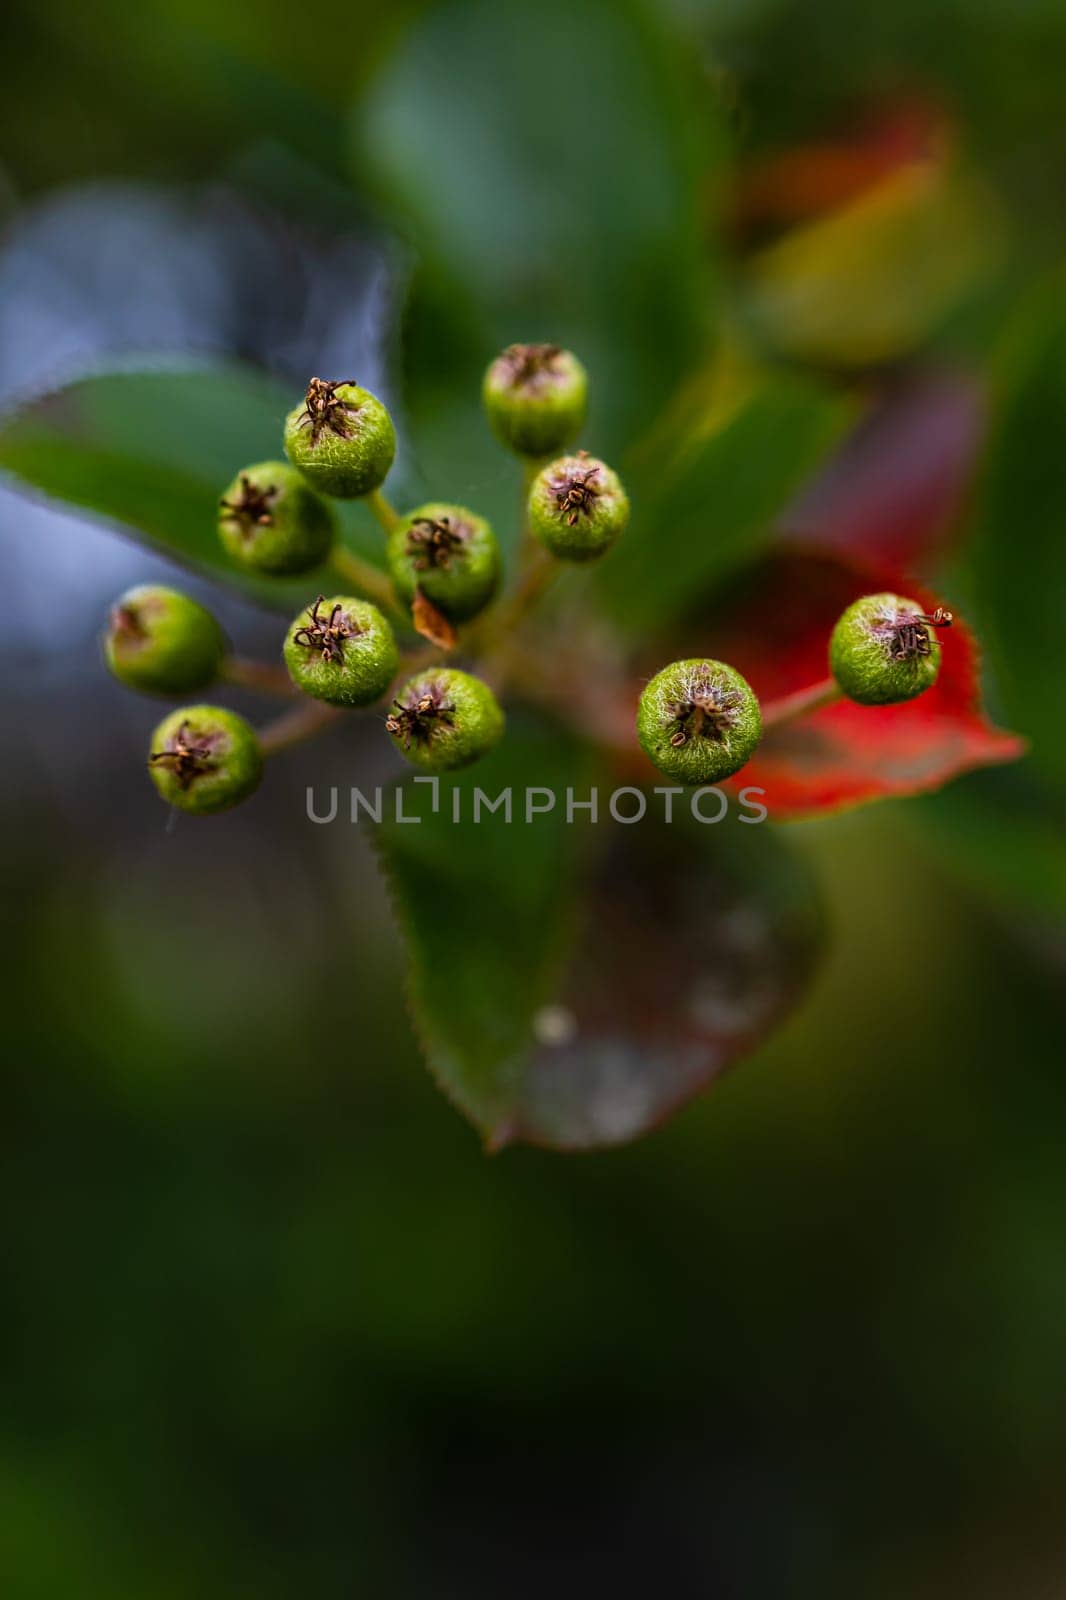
x=203 y=759
x=163 y=642
x=577 y=507
x=450 y=554
x=269 y=520
x=535 y=397
x=882 y=650
x=442 y=719
x=698 y=721
x=341 y=650
x=341 y=438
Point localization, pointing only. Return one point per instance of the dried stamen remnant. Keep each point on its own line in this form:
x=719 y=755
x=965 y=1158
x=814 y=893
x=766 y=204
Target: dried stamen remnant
x=432 y=542
x=187 y=757
x=127 y=623
x=324 y=409
x=418 y=717
x=324 y=634
x=531 y=366
x=707 y=712
x=698 y=721
x=576 y=491
x=252 y=508
x=905 y=637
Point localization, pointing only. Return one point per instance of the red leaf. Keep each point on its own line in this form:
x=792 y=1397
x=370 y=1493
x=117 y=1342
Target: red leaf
x=891 y=492
x=775 y=630
x=810 y=179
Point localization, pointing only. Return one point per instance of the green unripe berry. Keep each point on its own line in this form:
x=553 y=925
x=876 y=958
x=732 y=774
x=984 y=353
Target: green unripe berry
x=341 y=438
x=882 y=650
x=341 y=650
x=163 y=642
x=577 y=507
x=698 y=721
x=203 y=759
x=269 y=520
x=442 y=719
x=450 y=554
x=535 y=398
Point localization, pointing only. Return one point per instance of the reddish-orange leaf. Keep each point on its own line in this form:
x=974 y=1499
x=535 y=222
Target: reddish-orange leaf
x=775 y=629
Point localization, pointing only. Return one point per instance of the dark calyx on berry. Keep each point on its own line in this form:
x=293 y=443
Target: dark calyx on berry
x=433 y=542
x=126 y=622
x=252 y=509
x=905 y=638
x=326 y=635
x=532 y=366
x=324 y=409
x=415 y=719
x=708 y=713
x=576 y=491
x=187 y=755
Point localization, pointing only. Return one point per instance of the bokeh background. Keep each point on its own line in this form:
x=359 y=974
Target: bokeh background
x=273 y=1324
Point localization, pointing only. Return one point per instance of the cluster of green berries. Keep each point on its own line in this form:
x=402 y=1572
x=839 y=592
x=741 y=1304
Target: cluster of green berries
x=698 y=721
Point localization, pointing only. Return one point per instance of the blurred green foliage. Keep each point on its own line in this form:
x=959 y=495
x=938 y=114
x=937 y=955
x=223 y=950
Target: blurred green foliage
x=1019 y=516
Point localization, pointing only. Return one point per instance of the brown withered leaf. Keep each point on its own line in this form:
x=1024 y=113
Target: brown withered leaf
x=431 y=622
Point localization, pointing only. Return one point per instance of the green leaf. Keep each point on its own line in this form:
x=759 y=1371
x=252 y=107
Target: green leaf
x=749 y=437
x=484 y=908
x=151 y=451
x=551 y=164
x=573 y=985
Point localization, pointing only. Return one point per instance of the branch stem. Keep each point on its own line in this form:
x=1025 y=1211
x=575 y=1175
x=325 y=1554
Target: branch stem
x=541 y=570
x=792 y=706
x=311 y=717
x=367 y=579
x=528 y=547
x=293 y=727
x=265 y=677
x=383 y=509
x=493 y=635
